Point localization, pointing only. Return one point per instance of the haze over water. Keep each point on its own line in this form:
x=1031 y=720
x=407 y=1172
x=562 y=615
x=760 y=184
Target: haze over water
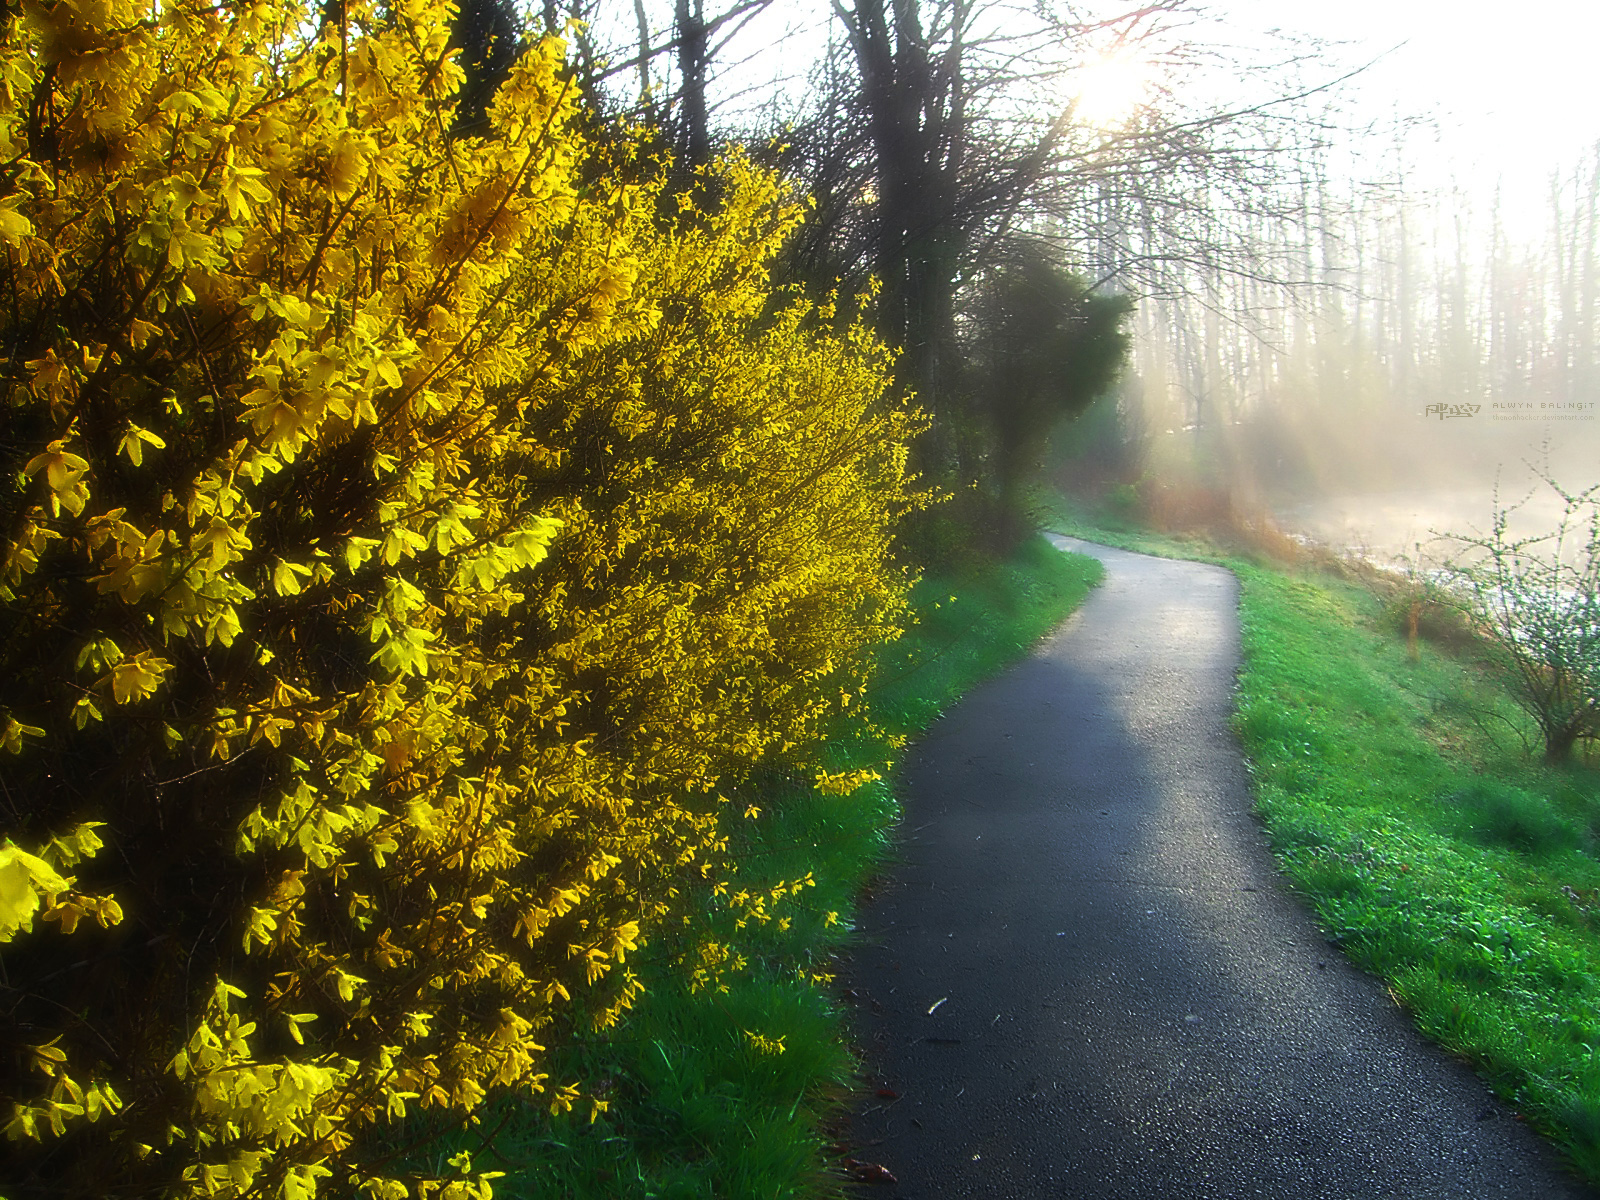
x=1467 y=352
x=1458 y=482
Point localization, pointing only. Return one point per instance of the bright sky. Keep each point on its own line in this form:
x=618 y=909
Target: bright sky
x=1513 y=86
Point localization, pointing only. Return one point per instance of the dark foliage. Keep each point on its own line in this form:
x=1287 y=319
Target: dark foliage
x=1041 y=346
x=489 y=34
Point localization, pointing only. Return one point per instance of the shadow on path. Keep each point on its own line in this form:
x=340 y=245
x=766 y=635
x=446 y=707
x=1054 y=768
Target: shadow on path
x=1127 y=1002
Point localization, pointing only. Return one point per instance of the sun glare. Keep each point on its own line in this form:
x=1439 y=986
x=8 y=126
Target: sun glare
x=1110 y=89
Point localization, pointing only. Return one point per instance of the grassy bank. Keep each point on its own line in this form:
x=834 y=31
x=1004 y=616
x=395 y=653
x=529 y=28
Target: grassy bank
x=1400 y=799
x=730 y=1093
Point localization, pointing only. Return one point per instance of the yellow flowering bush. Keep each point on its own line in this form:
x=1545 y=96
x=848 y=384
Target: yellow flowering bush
x=403 y=538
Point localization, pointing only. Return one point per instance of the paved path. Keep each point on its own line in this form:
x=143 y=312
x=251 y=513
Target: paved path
x=1127 y=1003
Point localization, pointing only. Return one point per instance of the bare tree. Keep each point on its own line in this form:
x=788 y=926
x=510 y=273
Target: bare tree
x=937 y=137
x=942 y=131
x=672 y=54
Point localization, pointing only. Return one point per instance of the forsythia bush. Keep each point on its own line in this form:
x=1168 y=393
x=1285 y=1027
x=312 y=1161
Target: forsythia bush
x=402 y=538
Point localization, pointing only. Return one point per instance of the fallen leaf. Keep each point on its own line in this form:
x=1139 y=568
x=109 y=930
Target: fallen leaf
x=865 y=1172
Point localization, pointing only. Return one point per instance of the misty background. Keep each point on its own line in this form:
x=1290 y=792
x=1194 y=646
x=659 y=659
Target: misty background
x=1420 y=329
x=1359 y=240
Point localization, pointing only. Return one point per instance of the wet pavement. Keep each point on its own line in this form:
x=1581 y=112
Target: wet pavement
x=1087 y=980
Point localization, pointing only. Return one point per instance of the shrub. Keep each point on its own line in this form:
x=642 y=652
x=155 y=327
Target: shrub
x=1537 y=600
x=402 y=538
x=1043 y=346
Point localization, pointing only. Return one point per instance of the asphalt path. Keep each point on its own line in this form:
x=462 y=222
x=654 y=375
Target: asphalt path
x=1087 y=978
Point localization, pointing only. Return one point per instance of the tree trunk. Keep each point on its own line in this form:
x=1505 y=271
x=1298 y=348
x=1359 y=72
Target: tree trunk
x=917 y=240
x=694 y=137
x=1558 y=744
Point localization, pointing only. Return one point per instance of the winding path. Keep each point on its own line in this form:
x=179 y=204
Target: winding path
x=1088 y=980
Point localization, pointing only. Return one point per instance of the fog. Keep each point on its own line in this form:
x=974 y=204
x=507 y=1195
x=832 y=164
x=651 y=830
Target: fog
x=1396 y=363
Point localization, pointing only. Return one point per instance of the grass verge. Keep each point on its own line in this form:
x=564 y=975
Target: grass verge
x=730 y=1093
x=1400 y=800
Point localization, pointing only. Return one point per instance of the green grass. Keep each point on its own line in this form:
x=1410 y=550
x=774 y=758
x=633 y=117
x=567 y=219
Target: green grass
x=968 y=629
x=697 y=1107
x=1400 y=800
